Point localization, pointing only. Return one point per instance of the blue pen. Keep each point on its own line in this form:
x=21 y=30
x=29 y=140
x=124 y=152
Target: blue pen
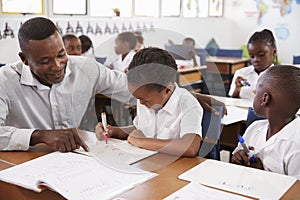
x=245 y=83
x=246 y=149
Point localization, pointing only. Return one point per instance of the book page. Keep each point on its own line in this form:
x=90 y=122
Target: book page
x=239 y=179
x=117 y=154
x=74 y=176
x=196 y=191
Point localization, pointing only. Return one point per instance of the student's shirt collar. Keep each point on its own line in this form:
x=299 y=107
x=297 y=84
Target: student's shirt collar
x=172 y=103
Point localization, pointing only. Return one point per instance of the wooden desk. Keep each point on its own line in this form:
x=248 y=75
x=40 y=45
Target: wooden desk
x=157 y=188
x=222 y=69
x=190 y=78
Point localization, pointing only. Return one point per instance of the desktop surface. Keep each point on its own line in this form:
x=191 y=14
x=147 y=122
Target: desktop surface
x=168 y=167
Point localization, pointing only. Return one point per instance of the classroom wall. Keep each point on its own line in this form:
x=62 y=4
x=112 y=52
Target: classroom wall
x=231 y=31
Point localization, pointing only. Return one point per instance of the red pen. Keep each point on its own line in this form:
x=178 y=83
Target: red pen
x=104 y=123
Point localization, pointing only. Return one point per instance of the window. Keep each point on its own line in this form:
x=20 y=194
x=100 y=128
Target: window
x=69 y=7
x=147 y=8
x=170 y=8
x=104 y=8
x=22 y=6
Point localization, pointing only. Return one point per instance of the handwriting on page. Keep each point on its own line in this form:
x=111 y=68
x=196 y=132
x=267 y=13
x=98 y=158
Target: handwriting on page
x=74 y=176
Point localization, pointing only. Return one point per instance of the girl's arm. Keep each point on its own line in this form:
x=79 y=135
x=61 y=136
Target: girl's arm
x=187 y=146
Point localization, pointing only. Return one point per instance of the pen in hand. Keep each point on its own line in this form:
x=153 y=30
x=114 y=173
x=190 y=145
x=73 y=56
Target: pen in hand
x=104 y=123
x=246 y=149
x=245 y=83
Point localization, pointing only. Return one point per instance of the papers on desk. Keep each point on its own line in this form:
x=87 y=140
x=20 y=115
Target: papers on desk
x=195 y=191
x=74 y=176
x=234 y=114
x=239 y=179
x=116 y=154
x=228 y=101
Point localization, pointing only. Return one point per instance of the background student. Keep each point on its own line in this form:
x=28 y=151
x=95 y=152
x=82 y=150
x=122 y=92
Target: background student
x=139 y=41
x=275 y=141
x=195 y=61
x=72 y=44
x=168 y=117
x=262 y=50
x=87 y=48
x=125 y=50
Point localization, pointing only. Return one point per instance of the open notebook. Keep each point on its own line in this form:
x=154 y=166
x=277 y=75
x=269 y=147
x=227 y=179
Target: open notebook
x=116 y=154
x=74 y=176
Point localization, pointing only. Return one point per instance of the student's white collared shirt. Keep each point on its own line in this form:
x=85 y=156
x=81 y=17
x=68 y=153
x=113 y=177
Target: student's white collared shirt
x=26 y=104
x=251 y=76
x=281 y=153
x=120 y=64
x=182 y=114
x=188 y=63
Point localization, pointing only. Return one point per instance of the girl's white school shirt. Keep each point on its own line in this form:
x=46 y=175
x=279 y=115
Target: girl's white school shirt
x=182 y=114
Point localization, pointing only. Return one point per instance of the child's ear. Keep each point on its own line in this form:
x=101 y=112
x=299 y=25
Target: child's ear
x=266 y=99
x=170 y=88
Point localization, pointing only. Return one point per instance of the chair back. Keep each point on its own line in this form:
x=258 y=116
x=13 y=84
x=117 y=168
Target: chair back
x=211 y=131
x=202 y=53
x=251 y=117
x=101 y=59
x=237 y=53
x=296 y=59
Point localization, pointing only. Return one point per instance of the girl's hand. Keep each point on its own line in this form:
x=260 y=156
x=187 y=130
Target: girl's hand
x=99 y=130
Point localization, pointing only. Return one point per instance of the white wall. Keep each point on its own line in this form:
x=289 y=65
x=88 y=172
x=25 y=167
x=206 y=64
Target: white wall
x=230 y=31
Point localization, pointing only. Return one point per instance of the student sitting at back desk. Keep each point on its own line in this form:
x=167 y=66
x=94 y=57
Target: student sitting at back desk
x=262 y=50
x=195 y=59
x=168 y=117
x=72 y=44
x=125 y=50
x=276 y=140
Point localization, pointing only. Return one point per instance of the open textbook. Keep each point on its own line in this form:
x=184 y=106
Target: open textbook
x=116 y=154
x=74 y=176
x=239 y=179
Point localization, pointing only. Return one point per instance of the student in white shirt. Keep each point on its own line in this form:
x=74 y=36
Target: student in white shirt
x=72 y=44
x=168 y=117
x=195 y=61
x=125 y=50
x=47 y=95
x=276 y=140
x=262 y=50
x=87 y=47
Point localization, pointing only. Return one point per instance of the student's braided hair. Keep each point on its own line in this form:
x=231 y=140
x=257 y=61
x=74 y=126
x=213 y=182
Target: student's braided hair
x=152 y=67
x=268 y=38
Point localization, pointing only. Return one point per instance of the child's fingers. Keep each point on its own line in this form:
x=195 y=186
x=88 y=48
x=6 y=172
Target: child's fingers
x=99 y=131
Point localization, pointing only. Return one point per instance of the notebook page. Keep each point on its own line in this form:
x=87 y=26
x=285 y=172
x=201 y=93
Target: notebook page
x=74 y=176
x=196 y=191
x=239 y=179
